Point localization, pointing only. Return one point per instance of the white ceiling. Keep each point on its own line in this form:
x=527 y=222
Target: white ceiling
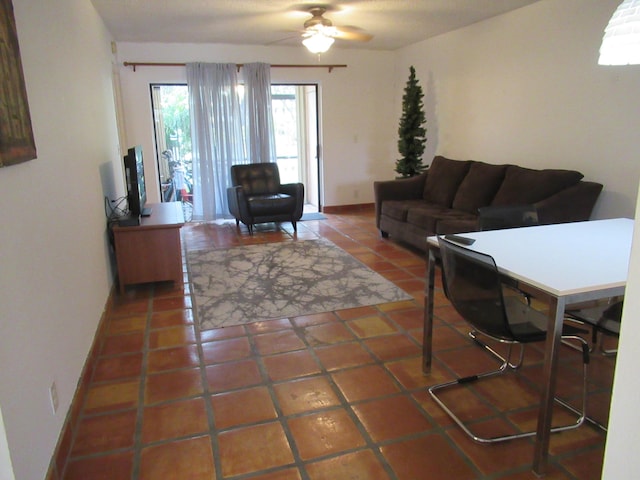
x=393 y=23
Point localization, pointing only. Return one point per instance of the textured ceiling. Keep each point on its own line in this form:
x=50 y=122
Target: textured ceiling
x=393 y=23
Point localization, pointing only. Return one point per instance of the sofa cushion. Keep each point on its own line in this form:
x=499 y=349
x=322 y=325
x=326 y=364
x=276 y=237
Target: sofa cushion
x=444 y=178
x=397 y=209
x=457 y=225
x=524 y=185
x=429 y=216
x=426 y=216
x=479 y=186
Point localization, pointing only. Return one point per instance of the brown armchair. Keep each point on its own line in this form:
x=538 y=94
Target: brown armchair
x=257 y=196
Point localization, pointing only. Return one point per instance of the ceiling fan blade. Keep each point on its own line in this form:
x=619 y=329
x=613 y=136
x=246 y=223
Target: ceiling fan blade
x=289 y=37
x=320 y=25
x=352 y=33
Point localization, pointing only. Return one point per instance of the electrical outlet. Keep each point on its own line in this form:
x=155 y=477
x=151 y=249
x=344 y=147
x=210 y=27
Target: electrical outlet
x=53 y=396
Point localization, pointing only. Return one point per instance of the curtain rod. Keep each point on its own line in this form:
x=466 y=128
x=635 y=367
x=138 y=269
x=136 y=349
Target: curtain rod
x=238 y=65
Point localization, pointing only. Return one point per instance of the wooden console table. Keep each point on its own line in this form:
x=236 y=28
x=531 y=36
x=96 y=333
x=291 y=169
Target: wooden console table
x=151 y=251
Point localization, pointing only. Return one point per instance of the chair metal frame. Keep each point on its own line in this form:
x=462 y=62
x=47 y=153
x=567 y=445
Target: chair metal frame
x=603 y=319
x=596 y=318
x=497 y=325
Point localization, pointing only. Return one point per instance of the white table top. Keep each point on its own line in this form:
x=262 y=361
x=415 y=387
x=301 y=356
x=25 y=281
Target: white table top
x=563 y=259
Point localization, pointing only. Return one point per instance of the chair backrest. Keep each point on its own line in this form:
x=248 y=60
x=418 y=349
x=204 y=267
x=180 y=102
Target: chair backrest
x=256 y=178
x=472 y=283
x=507 y=216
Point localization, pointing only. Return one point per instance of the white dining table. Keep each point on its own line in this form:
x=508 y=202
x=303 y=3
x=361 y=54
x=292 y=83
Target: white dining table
x=562 y=264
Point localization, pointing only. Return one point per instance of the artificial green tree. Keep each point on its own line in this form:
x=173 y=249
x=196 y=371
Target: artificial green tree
x=412 y=134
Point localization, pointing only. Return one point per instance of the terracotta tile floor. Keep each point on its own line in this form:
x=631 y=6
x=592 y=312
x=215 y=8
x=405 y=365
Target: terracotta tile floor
x=339 y=395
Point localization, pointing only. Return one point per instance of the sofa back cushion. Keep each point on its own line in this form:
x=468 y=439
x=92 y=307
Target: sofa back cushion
x=479 y=186
x=524 y=185
x=444 y=178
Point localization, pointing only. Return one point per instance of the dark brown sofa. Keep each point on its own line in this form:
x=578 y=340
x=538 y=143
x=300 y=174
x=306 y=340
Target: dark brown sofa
x=446 y=198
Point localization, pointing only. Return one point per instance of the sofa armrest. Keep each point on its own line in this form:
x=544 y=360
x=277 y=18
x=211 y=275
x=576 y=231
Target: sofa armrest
x=573 y=204
x=399 y=189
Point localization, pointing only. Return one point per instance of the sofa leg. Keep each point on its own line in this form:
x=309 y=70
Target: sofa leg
x=384 y=234
x=237 y=223
x=295 y=226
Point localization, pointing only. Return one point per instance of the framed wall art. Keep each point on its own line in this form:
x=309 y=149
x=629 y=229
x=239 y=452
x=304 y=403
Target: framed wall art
x=17 y=144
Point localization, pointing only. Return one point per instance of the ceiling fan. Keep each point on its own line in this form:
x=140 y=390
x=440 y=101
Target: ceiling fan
x=319 y=32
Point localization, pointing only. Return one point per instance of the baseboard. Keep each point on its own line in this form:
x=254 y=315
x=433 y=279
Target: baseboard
x=63 y=446
x=359 y=207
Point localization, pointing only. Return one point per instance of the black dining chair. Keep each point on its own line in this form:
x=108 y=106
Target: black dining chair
x=498 y=217
x=474 y=287
x=604 y=320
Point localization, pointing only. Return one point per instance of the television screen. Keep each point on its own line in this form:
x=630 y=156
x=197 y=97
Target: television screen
x=136 y=188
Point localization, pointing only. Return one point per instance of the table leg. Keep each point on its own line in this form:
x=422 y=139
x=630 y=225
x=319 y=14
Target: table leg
x=552 y=347
x=427 y=335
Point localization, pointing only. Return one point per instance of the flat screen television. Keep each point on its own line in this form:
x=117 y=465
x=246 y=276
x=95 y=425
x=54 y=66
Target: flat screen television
x=136 y=188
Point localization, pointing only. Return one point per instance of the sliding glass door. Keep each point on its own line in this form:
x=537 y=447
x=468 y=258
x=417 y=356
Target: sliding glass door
x=295 y=115
x=296 y=129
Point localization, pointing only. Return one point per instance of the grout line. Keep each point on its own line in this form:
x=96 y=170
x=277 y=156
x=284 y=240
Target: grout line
x=137 y=442
x=215 y=449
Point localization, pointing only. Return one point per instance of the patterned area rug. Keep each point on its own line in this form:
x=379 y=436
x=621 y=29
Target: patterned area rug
x=276 y=280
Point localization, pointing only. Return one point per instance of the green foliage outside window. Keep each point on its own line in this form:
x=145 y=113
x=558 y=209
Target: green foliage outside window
x=176 y=120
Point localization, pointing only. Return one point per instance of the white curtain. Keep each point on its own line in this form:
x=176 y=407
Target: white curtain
x=260 y=134
x=221 y=135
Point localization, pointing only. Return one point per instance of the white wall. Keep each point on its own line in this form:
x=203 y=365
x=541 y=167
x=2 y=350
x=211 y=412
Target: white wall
x=526 y=88
x=621 y=454
x=55 y=275
x=358 y=116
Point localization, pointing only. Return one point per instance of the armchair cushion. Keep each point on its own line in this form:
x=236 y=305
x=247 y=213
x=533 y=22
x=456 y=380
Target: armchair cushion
x=270 y=204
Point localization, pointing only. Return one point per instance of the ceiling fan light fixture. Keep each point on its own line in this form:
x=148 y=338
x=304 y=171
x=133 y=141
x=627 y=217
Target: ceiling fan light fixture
x=621 y=42
x=318 y=42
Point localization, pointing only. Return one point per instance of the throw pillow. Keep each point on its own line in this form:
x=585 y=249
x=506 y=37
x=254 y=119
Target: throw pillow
x=526 y=186
x=443 y=180
x=479 y=186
